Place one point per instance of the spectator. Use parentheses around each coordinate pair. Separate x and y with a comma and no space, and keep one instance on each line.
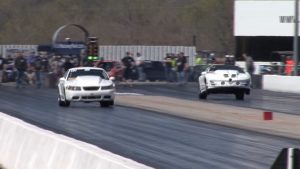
(139,62)
(56,69)
(30,75)
(21,66)
(67,65)
(229,60)
(181,68)
(45,68)
(289,66)
(30,59)
(174,67)
(75,61)
(10,74)
(249,63)
(2,65)
(168,67)
(199,59)
(128,63)
(41,67)
(212,58)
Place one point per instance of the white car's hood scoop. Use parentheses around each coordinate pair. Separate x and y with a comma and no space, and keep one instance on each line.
(87,80)
(227,73)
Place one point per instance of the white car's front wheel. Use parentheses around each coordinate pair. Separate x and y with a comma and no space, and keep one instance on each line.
(202,95)
(107,103)
(63,103)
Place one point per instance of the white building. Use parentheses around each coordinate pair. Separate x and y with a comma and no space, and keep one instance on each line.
(263,26)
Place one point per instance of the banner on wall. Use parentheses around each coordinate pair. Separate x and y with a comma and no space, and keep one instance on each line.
(13,52)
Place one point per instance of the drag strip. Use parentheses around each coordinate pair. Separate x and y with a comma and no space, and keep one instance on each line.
(158,140)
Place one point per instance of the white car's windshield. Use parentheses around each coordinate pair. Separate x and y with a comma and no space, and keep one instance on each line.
(87,72)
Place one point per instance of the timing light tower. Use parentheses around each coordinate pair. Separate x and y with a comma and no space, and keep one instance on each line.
(92,49)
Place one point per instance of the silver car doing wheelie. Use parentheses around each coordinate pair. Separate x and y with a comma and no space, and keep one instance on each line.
(86,84)
(226,79)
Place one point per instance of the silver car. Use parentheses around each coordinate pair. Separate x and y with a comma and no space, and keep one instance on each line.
(226,79)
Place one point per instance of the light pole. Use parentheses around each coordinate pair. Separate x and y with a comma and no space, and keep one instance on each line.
(296,48)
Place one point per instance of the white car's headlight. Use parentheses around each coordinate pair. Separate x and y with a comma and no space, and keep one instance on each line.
(244,82)
(112,86)
(212,82)
(74,88)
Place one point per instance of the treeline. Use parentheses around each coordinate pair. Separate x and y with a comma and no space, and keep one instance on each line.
(121,22)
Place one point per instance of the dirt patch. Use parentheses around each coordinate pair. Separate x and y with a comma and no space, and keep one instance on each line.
(245,118)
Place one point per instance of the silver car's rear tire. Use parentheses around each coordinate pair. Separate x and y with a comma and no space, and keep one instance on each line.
(239,96)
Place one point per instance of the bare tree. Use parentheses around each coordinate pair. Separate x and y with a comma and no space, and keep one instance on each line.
(149,22)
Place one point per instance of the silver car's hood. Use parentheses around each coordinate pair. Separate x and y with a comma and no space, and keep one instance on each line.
(89,81)
(226,74)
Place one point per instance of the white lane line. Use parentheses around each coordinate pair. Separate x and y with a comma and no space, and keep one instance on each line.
(132,94)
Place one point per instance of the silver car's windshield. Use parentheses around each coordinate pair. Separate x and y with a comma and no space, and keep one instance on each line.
(87,72)
(226,67)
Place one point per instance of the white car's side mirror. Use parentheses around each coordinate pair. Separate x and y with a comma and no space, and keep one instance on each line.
(112,78)
(203,73)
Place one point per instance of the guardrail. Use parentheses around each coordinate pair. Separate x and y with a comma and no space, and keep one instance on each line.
(289,158)
(25,146)
(280,83)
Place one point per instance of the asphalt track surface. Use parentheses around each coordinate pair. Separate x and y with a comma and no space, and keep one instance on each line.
(158,140)
(258,99)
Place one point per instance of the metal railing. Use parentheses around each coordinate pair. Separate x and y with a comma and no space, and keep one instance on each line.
(278,70)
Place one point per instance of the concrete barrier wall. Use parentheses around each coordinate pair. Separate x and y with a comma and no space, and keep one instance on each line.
(24,146)
(290,84)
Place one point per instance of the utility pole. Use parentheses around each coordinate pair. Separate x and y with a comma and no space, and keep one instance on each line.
(296,48)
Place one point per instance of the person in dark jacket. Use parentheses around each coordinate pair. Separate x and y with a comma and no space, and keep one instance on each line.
(129,64)
(67,65)
(168,67)
(181,68)
(21,66)
(41,67)
(2,65)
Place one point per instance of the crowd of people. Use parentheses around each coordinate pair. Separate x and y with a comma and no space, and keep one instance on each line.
(175,67)
(34,68)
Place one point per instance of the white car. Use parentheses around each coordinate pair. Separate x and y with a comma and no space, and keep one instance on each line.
(86,84)
(225,79)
